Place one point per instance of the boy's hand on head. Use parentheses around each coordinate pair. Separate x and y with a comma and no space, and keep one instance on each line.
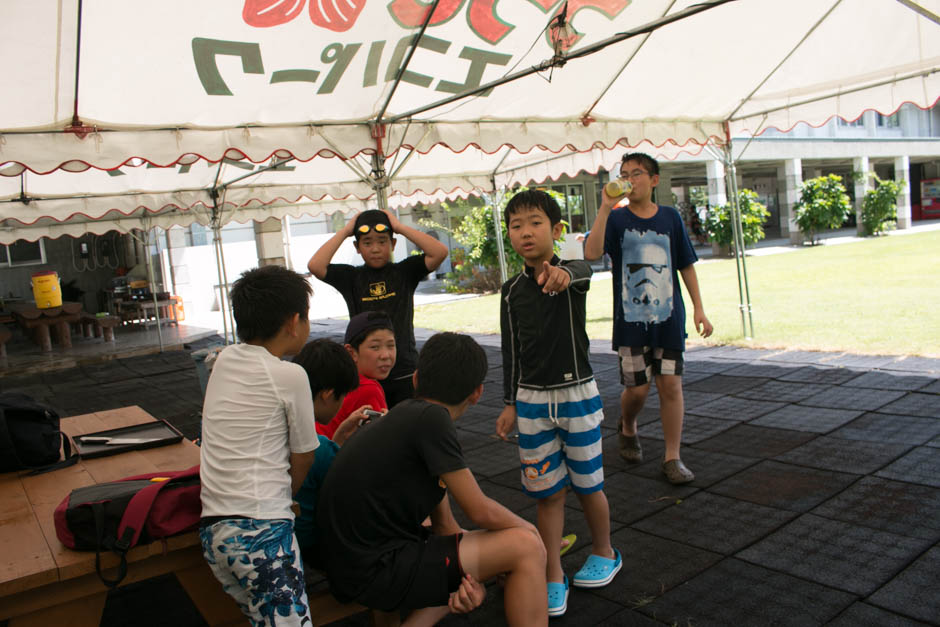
(506,422)
(702,325)
(468,596)
(393,220)
(553,279)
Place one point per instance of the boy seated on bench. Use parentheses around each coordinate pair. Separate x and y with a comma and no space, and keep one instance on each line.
(258,442)
(399,469)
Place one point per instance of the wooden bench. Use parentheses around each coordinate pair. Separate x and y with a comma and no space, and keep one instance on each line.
(37,322)
(325,609)
(94,325)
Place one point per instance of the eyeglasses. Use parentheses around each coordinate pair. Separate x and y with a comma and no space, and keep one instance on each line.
(378,228)
(633,175)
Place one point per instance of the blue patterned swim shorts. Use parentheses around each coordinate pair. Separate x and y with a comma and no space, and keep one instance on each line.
(258,563)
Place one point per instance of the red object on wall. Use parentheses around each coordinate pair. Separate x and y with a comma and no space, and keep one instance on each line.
(930,199)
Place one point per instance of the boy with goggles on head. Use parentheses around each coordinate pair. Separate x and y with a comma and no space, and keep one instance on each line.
(381,284)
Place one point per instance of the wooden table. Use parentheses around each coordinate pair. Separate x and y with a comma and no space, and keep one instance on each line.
(44,583)
(142,311)
(36,322)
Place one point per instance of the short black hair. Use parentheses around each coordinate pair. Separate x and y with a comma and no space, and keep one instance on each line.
(329,367)
(534,199)
(450,367)
(651,165)
(364,324)
(263,299)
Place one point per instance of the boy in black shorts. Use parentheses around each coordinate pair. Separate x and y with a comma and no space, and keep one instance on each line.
(396,472)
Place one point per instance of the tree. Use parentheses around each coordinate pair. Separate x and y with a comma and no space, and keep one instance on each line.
(753,216)
(880,206)
(476,266)
(823,205)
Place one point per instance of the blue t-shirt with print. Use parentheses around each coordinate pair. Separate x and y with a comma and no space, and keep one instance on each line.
(646,255)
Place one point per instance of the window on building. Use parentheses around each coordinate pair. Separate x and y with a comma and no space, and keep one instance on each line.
(572,206)
(888,121)
(198,235)
(856,123)
(338,221)
(23,253)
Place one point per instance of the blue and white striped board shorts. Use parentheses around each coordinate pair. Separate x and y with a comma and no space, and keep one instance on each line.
(560,439)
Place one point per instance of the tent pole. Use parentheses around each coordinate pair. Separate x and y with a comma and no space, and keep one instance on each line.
(225,293)
(744,296)
(153,289)
(498,227)
(379,180)
(285,233)
(216,243)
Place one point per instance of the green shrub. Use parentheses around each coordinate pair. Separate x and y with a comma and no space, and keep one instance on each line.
(880,207)
(753,216)
(823,205)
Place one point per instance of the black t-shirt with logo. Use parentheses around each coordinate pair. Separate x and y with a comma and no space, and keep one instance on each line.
(381,486)
(391,289)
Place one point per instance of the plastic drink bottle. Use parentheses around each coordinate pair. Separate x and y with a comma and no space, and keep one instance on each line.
(618,187)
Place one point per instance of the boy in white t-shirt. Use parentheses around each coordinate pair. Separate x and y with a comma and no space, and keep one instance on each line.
(258,441)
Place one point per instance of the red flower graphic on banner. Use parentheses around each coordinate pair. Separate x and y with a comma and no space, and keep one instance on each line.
(335,15)
(265,13)
(340,15)
(481,14)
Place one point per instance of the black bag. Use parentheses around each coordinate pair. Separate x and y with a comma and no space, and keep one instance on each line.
(30,436)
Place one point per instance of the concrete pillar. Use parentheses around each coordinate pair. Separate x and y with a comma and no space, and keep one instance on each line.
(715,172)
(871,125)
(270,242)
(862,185)
(664,189)
(792,175)
(682,194)
(902,174)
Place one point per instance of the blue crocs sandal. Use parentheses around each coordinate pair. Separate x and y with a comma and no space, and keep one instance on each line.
(557,597)
(598,571)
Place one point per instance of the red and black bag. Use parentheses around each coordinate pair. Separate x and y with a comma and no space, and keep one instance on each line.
(135,510)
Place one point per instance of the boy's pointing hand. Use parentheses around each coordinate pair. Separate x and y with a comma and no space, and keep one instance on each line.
(553,279)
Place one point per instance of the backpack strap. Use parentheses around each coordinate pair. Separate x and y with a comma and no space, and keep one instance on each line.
(138,509)
(70,459)
(98,511)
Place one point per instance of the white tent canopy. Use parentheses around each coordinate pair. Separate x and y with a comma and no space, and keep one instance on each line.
(171,82)
(96,201)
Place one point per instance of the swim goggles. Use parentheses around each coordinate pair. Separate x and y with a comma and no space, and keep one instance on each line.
(378,228)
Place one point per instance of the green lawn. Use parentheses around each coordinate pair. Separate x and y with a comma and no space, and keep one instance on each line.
(880,296)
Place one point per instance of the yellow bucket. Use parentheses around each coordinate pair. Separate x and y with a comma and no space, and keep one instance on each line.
(46,290)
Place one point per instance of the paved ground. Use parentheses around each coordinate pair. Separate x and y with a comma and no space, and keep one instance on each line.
(817,497)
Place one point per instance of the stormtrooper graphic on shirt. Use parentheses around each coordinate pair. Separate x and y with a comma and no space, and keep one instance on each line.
(647,277)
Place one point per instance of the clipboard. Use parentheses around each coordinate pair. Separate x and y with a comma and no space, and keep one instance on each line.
(151,435)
